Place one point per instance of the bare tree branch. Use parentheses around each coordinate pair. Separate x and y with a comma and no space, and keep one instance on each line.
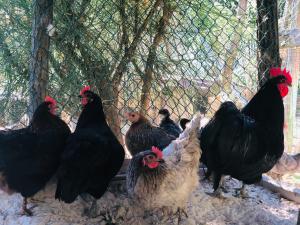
(232,51)
(124,37)
(10,59)
(158,38)
(122,67)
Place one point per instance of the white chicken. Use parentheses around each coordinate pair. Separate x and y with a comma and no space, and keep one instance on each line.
(165,180)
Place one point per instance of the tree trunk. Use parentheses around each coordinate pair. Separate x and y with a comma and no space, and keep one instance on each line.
(38,70)
(233,48)
(158,38)
(268,38)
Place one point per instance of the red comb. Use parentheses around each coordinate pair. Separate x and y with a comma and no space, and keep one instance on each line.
(51,100)
(276,71)
(84,89)
(157,152)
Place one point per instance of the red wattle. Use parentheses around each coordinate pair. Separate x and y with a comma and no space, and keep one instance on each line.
(283,89)
(153,165)
(53,110)
(84,101)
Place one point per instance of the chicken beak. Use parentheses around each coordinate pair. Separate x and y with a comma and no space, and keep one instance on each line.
(161,161)
(126,115)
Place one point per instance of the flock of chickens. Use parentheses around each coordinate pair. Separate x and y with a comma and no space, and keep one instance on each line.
(163,171)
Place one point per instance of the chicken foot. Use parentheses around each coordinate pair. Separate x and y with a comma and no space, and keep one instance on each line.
(34,200)
(241,192)
(169,212)
(92,212)
(180,213)
(219,191)
(89,211)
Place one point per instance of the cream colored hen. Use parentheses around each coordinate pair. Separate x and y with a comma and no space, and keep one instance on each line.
(165,180)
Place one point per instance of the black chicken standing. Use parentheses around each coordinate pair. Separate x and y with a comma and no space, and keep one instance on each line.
(29,157)
(167,124)
(93,155)
(245,144)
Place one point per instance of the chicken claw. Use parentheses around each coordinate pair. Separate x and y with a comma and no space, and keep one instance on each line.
(217,193)
(92,212)
(241,192)
(181,213)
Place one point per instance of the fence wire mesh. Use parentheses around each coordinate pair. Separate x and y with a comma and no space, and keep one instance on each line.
(137,54)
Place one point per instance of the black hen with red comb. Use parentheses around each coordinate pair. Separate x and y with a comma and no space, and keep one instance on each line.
(247,143)
(29,157)
(93,155)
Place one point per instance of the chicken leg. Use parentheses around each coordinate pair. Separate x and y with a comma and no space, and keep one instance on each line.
(25,210)
(219,191)
(92,211)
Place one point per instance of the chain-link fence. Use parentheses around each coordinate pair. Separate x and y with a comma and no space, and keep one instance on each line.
(137,54)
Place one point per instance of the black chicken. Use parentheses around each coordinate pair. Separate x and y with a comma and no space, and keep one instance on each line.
(183,122)
(93,155)
(29,157)
(143,135)
(167,124)
(245,144)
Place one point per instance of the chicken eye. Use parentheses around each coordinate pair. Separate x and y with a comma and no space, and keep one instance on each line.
(151,157)
(133,115)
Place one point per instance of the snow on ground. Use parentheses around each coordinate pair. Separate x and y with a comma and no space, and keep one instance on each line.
(262,208)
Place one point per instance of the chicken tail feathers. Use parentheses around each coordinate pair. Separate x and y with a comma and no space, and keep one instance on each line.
(66,190)
(192,128)
(187,144)
(190,134)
